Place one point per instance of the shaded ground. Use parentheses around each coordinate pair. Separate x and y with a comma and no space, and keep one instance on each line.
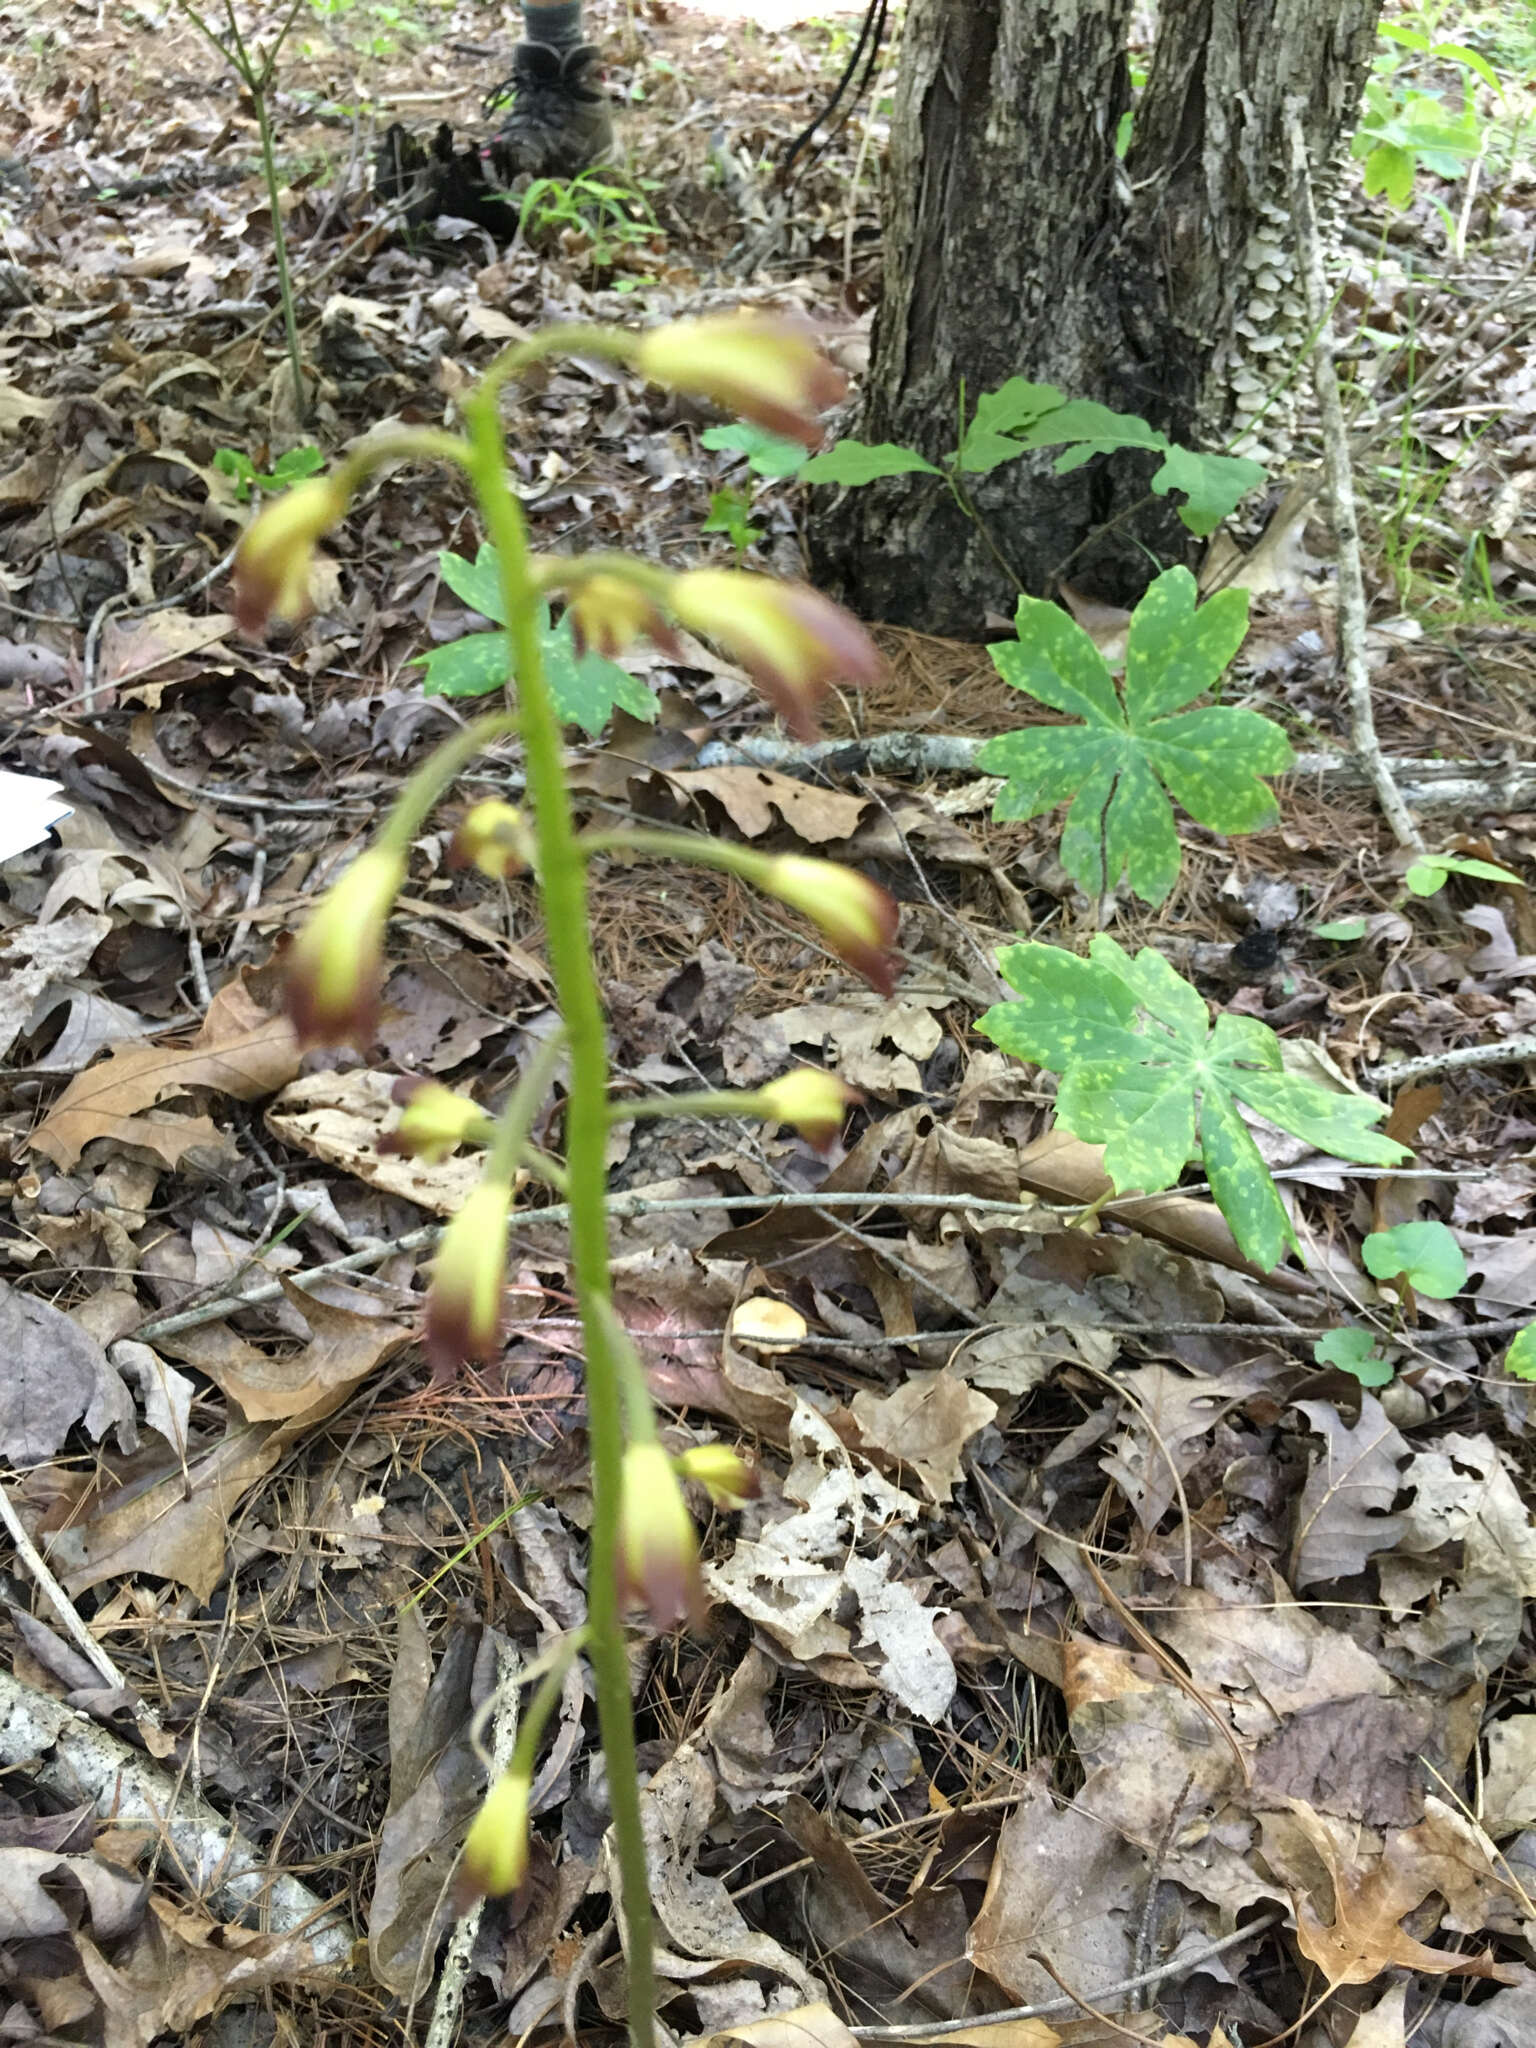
(1067,1640)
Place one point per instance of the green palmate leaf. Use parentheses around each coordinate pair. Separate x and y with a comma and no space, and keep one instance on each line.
(1213,485)
(859,462)
(1520,1358)
(1144,1074)
(767,454)
(476,583)
(1426,1255)
(1121,765)
(471,667)
(1353,1351)
(585,687)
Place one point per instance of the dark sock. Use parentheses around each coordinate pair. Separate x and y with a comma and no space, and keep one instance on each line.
(558,26)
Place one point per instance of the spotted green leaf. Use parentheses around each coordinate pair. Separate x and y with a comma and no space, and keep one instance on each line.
(1146,1075)
(1426,1255)
(1133,750)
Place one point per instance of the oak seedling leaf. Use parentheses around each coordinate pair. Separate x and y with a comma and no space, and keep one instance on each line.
(1426,1255)
(1135,747)
(585,687)
(1144,1074)
(865,462)
(767,454)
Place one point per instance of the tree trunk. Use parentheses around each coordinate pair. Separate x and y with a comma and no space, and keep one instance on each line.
(1018,244)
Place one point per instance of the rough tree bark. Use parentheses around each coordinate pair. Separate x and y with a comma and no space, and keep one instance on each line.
(1017,243)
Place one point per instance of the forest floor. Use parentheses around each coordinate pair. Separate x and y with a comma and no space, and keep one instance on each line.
(1087,1626)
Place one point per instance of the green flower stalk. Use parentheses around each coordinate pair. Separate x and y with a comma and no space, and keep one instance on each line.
(643,1545)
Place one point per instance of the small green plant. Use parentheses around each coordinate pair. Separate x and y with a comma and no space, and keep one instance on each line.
(730,513)
(1354,1351)
(609,217)
(256,69)
(1520,1358)
(1423,1256)
(769,455)
(1019,416)
(1145,1075)
(290,468)
(1131,748)
(1429,873)
(585,685)
(1403,131)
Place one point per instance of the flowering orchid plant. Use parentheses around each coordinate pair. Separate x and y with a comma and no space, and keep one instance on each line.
(796,643)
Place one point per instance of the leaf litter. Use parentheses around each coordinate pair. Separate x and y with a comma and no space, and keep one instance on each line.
(1085,1622)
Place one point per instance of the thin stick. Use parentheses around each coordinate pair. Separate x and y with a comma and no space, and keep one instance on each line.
(93,1652)
(1176,1966)
(1507,1052)
(1341,490)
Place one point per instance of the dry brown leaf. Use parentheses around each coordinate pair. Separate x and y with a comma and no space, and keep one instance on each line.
(56,1373)
(1066,1169)
(751,796)
(302,1388)
(1365,1936)
(1345,1516)
(926,1423)
(808,2026)
(241,1050)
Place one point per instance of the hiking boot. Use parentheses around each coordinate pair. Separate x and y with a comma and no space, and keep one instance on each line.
(558,122)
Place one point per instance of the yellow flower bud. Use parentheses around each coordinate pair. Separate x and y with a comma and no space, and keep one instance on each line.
(857,918)
(723,1473)
(434,1121)
(608,611)
(768,368)
(814,1102)
(794,641)
(493,837)
(464,1300)
(658,1548)
(495,1859)
(335,967)
(272,568)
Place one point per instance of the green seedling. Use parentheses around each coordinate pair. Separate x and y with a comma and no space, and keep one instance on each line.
(1429,873)
(289,469)
(1353,1351)
(730,513)
(1425,1255)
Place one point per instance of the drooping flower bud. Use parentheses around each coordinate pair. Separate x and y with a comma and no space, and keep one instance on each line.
(273,565)
(465,1298)
(794,641)
(814,1102)
(607,612)
(768,368)
(658,1547)
(494,837)
(723,1473)
(434,1121)
(857,918)
(335,967)
(495,1859)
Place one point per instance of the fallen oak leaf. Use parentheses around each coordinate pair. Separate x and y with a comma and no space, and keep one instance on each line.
(240,1050)
(1365,1936)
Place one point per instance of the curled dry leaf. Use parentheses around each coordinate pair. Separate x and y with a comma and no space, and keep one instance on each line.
(340,1118)
(56,1375)
(241,1051)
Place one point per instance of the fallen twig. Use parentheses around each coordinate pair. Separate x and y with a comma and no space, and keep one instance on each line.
(1506,1052)
(1176,1966)
(64,1608)
(1464,787)
(72,1755)
(1341,491)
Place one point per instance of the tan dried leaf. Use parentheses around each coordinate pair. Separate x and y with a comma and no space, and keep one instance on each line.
(926,1423)
(240,1050)
(767,1325)
(750,798)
